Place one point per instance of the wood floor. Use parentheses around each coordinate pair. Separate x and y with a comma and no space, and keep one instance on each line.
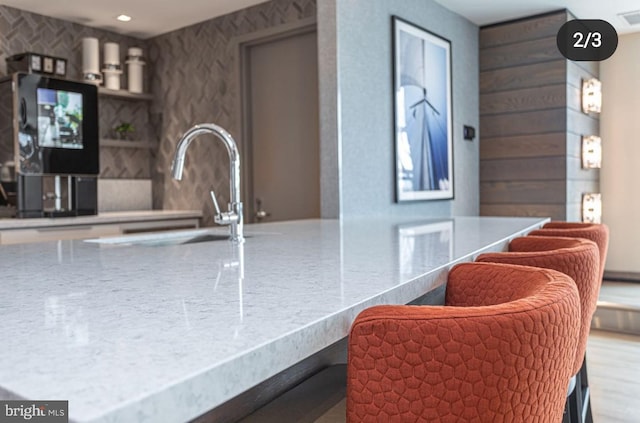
(613,363)
(613,360)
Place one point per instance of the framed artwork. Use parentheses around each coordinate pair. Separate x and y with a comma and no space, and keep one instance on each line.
(61,67)
(36,63)
(423,114)
(47,64)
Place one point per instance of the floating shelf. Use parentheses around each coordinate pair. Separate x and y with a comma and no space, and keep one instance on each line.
(106,142)
(123,94)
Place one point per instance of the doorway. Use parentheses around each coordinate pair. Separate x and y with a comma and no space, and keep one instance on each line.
(280,126)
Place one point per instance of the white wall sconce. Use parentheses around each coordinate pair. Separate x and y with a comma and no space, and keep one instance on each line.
(591,152)
(591,95)
(591,208)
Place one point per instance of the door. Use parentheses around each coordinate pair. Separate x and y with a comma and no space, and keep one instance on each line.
(281,128)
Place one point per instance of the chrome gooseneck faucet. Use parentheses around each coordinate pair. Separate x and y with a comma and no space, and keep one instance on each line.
(233,217)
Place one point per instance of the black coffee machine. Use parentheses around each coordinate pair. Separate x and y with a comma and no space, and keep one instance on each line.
(49,148)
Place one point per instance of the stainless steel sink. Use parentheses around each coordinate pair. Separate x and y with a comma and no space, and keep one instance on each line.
(158,239)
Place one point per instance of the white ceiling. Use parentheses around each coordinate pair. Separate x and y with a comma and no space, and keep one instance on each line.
(483,12)
(150,17)
(154,17)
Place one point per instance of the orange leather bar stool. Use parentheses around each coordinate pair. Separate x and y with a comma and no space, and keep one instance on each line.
(501,349)
(596,232)
(579,259)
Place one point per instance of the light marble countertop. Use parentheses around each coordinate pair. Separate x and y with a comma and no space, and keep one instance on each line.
(100,218)
(166,333)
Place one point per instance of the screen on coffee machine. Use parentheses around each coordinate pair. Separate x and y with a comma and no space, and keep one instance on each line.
(57,126)
(59,118)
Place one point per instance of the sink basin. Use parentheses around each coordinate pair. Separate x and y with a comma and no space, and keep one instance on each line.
(158,239)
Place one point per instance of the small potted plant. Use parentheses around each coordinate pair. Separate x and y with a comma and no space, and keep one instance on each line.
(124,130)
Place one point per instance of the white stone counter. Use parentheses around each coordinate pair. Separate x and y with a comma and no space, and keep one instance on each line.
(166,333)
(99,219)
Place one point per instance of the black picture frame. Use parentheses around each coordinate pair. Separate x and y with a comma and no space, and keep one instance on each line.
(423,113)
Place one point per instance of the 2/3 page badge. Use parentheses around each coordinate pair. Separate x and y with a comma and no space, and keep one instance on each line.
(587,40)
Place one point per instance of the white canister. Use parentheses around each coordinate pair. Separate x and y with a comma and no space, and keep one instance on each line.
(112,69)
(135,63)
(91,60)
(111,54)
(112,79)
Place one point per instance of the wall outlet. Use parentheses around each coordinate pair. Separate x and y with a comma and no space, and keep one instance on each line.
(469,132)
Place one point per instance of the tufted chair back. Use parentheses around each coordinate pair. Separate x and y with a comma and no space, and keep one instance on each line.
(501,349)
(596,232)
(575,257)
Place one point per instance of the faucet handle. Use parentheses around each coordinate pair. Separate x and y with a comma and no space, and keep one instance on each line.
(215,203)
(226,218)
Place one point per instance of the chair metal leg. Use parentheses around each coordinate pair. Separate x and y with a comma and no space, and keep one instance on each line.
(569,405)
(588,418)
(566,416)
(574,401)
(579,401)
(586,393)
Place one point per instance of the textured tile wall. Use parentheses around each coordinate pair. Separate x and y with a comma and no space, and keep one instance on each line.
(124,194)
(194,81)
(22,31)
(192,74)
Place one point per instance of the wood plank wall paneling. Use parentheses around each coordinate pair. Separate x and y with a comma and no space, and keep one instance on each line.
(585,69)
(574,212)
(524,169)
(574,145)
(575,170)
(518,54)
(582,124)
(523,100)
(538,145)
(574,98)
(555,211)
(524,123)
(579,181)
(514,32)
(531,122)
(576,73)
(576,188)
(524,192)
(527,76)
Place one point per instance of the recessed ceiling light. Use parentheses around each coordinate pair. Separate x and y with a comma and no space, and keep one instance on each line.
(124,18)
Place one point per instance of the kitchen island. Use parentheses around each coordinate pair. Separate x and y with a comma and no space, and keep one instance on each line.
(164,333)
